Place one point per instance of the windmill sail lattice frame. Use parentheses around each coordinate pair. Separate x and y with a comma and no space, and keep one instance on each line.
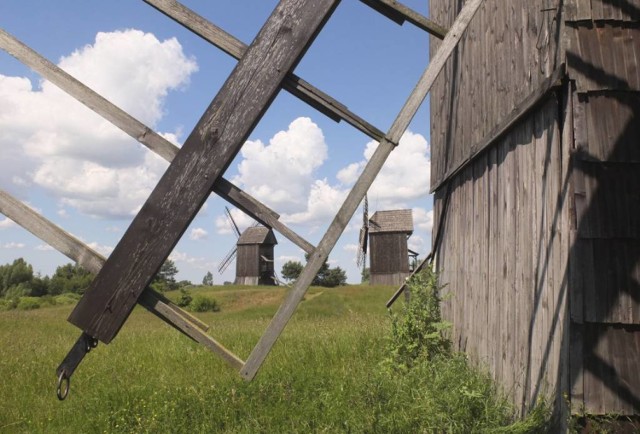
(205,155)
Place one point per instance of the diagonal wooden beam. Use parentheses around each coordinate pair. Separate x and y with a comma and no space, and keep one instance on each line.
(142,133)
(357,193)
(92,261)
(205,155)
(236,48)
(400,13)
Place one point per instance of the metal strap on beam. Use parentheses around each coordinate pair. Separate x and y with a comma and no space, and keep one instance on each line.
(357,193)
(142,133)
(236,48)
(92,261)
(399,13)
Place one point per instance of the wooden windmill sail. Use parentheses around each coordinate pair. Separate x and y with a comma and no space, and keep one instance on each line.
(361,259)
(266,66)
(229,257)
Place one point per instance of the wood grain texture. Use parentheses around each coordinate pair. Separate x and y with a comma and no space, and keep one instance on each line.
(509,50)
(142,133)
(498,257)
(604,57)
(357,193)
(236,48)
(206,154)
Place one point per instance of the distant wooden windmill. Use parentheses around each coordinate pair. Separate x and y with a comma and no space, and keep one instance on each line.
(388,232)
(253,253)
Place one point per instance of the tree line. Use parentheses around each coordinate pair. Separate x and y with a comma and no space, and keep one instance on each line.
(18,280)
(327,276)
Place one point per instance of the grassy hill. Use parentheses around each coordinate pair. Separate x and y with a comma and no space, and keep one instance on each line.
(325,374)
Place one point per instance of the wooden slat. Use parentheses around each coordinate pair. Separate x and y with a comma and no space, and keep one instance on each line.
(357,193)
(236,48)
(206,154)
(399,12)
(142,133)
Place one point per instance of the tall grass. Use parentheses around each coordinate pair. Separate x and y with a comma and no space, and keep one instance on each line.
(325,374)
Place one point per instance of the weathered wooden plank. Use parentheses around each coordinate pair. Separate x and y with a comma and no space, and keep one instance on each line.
(596,62)
(357,193)
(205,155)
(611,129)
(517,113)
(399,12)
(236,48)
(82,254)
(607,204)
(142,133)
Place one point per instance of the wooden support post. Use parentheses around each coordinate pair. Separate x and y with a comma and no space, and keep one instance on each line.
(143,134)
(92,261)
(400,13)
(236,48)
(206,154)
(357,193)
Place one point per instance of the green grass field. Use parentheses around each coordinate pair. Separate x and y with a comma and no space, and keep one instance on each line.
(325,374)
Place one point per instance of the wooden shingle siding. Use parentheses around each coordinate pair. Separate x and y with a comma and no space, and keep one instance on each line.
(587,10)
(608,272)
(604,56)
(608,126)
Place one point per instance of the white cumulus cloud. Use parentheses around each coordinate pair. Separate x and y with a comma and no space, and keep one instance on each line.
(198,234)
(281,172)
(13,245)
(404,177)
(6,223)
(50,140)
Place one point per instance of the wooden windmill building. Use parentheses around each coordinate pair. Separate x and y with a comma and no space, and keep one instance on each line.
(536,174)
(389,254)
(254,261)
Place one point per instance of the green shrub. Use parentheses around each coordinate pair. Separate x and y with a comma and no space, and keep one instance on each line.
(204,304)
(185,298)
(419,331)
(66,298)
(8,303)
(28,303)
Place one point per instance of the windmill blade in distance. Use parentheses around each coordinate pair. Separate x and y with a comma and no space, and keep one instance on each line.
(228,259)
(364,235)
(232,222)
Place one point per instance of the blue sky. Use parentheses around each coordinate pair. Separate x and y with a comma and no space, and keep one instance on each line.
(90,178)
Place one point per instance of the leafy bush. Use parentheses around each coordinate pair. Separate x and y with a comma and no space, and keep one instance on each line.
(185,298)
(8,304)
(28,303)
(66,298)
(204,304)
(419,331)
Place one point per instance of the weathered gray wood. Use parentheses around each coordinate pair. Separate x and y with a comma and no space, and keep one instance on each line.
(142,133)
(206,154)
(75,249)
(516,114)
(357,193)
(409,15)
(236,48)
